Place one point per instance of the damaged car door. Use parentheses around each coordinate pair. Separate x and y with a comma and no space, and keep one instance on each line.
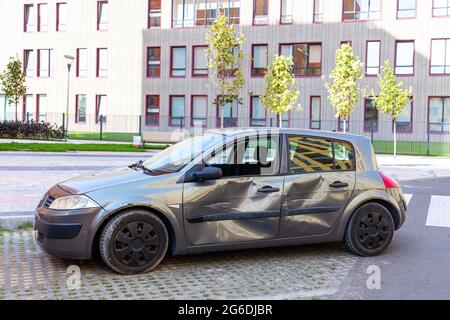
(244,203)
(320,181)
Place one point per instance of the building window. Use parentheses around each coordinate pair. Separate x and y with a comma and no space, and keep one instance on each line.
(28,62)
(341,124)
(307,58)
(318,11)
(406,9)
(257,113)
(45,60)
(42,17)
(370,116)
(315,119)
(404,57)
(152,110)
(176,111)
(102,63)
(199,111)
(29,108)
(360,10)
(80,108)
(178,62)
(373,58)
(153,62)
(82,63)
(230,114)
(440,56)
(199,65)
(439,114)
(102,15)
(41,107)
(101,102)
(260,12)
(200,13)
(154,13)
(61,16)
(286,11)
(403,122)
(28,18)
(441,8)
(259,60)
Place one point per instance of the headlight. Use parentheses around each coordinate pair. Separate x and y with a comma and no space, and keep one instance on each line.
(72,203)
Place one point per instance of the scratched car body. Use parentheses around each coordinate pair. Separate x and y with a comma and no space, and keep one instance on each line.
(239,189)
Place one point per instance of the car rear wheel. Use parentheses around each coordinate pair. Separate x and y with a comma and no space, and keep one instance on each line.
(133,242)
(370,230)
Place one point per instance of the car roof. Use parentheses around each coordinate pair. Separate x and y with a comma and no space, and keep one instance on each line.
(229,132)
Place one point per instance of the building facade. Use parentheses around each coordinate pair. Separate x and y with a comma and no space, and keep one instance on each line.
(145,60)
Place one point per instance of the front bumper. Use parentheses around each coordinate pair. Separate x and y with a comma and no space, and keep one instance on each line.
(66,234)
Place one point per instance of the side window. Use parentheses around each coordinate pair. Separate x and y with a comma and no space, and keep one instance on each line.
(248,157)
(344,156)
(311,154)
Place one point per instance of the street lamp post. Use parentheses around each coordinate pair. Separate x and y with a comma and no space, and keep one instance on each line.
(69,60)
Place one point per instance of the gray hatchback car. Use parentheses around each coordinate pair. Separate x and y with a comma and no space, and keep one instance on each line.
(245,188)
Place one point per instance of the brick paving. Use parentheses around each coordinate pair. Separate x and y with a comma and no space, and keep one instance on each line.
(308,272)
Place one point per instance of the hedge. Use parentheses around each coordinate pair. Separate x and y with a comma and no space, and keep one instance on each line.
(30,130)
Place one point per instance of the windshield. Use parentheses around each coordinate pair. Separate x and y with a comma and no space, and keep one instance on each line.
(176,157)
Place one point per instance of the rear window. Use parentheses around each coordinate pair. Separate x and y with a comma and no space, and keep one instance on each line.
(313,154)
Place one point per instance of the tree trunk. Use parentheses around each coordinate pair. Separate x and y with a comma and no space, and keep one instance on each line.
(222,112)
(17,116)
(345,126)
(395,139)
(280,120)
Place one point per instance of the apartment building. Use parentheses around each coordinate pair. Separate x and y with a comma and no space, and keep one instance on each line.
(145,59)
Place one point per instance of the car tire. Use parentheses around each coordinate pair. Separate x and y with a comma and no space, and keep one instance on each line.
(133,242)
(370,230)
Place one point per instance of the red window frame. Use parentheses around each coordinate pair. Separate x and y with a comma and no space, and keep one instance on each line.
(150,9)
(311,112)
(414,59)
(97,71)
(57,16)
(39,6)
(76,108)
(254,13)
(147,114)
(99,4)
(171,62)
(183,118)
(25,11)
(260,72)
(193,63)
(97,107)
(192,109)
(251,113)
(149,66)
(367,55)
(309,44)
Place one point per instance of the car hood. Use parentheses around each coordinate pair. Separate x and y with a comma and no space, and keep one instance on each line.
(102,179)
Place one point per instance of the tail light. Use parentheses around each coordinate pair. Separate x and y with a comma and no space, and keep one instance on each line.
(389,183)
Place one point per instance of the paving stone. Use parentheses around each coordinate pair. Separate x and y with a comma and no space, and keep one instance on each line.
(27,272)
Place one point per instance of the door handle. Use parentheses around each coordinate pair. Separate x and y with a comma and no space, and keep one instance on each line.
(339,184)
(268,189)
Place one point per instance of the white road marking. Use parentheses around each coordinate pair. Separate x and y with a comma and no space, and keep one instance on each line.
(438,212)
(408,198)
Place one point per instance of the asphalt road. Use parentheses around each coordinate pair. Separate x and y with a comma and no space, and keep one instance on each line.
(416,265)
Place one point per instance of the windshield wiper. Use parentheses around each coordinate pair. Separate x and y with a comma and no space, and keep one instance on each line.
(140,166)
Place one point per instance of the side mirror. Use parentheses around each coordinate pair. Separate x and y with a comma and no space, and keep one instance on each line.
(207,173)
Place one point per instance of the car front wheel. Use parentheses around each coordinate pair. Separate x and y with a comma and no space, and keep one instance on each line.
(134,241)
(370,230)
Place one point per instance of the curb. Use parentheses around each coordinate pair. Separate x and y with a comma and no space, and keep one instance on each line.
(14,220)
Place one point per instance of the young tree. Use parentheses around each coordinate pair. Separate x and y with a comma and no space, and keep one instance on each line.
(344,91)
(280,88)
(224,55)
(392,98)
(13,82)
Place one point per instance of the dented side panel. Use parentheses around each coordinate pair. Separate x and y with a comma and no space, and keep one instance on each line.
(311,206)
(231,210)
